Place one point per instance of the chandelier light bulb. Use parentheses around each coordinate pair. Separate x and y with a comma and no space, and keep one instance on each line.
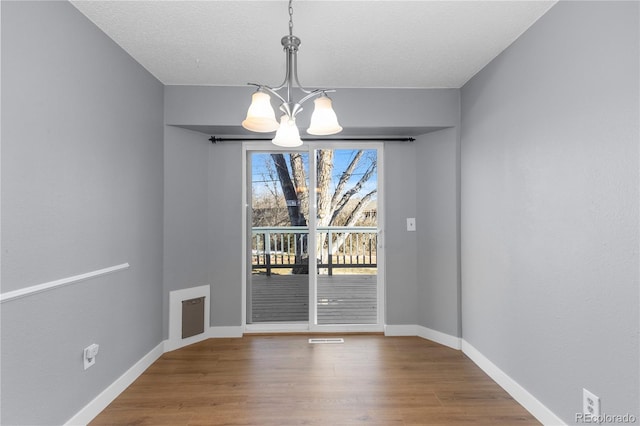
(287,134)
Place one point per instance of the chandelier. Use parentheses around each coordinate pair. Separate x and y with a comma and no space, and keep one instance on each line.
(261,116)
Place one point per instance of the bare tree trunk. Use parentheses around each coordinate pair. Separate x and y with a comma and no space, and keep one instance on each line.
(295,215)
(291,197)
(300,182)
(323,178)
(325,170)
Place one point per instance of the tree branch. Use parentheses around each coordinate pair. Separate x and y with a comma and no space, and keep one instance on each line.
(344,178)
(347,195)
(355,213)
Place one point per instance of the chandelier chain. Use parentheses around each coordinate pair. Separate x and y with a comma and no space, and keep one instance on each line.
(290,18)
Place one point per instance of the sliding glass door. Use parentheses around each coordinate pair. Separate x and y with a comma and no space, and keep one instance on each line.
(314,256)
(279,279)
(347,236)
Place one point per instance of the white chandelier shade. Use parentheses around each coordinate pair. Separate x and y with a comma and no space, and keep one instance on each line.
(323,120)
(287,134)
(261,116)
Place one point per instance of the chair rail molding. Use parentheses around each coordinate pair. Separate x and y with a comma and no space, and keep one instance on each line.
(30,291)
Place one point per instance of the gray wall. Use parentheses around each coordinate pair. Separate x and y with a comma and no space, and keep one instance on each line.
(81,190)
(203,227)
(550,208)
(186,188)
(357,108)
(225,233)
(437,231)
(222,108)
(400,245)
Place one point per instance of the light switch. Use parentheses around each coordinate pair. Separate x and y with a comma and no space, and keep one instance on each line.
(411,224)
(90,353)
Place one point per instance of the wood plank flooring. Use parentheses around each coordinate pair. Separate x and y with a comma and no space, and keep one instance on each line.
(342,299)
(284,380)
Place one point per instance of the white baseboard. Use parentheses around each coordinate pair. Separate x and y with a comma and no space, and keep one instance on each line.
(401,330)
(439,337)
(424,332)
(520,394)
(173,344)
(100,402)
(210,333)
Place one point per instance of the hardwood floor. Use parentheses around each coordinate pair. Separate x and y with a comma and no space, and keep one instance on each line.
(284,380)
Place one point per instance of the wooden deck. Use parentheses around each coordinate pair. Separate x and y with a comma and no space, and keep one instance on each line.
(342,299)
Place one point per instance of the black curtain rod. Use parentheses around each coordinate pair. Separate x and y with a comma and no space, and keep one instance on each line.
(214,139)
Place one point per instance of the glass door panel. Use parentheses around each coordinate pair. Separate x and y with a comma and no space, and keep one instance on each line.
(278,286)
(346,236)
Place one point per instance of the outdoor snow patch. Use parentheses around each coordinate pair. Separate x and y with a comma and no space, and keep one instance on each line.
(327,340)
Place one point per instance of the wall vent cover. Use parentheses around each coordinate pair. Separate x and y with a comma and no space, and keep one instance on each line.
(327,340)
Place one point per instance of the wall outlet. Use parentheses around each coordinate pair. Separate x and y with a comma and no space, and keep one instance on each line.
(590,403)
(411,224)
(89,355)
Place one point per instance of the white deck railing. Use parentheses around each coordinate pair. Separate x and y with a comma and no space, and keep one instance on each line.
(338,247)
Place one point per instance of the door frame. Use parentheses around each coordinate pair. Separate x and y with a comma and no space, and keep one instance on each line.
(311,326)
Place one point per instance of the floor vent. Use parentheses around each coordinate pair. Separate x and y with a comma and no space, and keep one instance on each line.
(328,340)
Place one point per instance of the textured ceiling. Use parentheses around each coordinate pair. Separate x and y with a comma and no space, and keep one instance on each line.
(417,44)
